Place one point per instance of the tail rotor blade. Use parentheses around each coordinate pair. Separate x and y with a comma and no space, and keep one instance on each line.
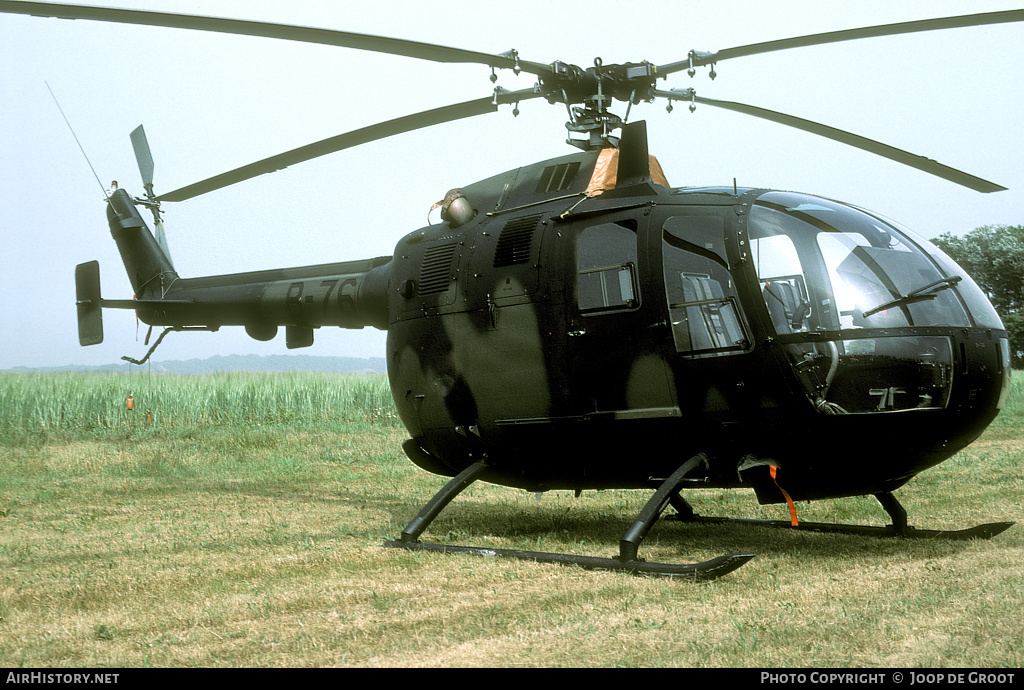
(143,156)
(161,240)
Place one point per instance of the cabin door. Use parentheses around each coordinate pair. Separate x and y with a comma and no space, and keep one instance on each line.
(617,351)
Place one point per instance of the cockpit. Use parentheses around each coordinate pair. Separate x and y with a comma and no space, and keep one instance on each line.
(862,307)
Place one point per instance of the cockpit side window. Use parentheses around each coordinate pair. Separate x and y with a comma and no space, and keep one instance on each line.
(783,285)
(699,287)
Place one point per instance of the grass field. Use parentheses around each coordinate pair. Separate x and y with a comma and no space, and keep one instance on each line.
(244,528)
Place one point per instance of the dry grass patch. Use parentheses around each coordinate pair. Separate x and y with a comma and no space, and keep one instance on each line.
(260,545)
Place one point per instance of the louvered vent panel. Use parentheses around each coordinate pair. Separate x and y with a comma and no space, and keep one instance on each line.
(514,241)
(436,271)
(556,178)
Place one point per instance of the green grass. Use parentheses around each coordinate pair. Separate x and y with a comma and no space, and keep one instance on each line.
(244,528)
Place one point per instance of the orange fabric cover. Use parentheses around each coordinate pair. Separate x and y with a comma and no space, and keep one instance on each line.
(607,168)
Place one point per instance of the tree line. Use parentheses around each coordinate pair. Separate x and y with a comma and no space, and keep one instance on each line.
(993,255)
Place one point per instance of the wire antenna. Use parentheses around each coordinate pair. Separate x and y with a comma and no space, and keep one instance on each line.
(80,148)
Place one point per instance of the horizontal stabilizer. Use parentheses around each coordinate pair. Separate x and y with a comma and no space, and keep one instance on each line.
(135,303)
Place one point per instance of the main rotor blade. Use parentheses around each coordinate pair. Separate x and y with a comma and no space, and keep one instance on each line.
(379,44)
(920,162)
(356,137)
(961,21)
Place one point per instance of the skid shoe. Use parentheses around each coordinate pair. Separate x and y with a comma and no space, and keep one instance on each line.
(896,511)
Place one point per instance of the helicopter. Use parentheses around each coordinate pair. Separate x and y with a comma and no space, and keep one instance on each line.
(567,313)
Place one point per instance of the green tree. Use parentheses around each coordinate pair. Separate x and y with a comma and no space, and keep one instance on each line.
(994,256)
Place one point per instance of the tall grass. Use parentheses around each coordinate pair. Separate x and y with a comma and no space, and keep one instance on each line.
(73,403)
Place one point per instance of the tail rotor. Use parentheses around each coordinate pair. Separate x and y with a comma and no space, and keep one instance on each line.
(144,158)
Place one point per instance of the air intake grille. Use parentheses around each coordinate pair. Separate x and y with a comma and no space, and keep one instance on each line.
(514,241)
(436,271)
(556,178)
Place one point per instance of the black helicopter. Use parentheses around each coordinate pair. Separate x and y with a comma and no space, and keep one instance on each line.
(570,312)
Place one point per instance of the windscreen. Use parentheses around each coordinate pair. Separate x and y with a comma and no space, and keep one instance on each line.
(826,266)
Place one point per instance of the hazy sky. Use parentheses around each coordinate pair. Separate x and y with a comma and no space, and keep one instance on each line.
(212,102)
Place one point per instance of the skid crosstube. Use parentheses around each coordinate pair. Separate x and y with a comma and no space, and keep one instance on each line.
(627,560)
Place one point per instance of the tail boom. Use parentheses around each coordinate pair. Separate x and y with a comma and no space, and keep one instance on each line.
(352,294)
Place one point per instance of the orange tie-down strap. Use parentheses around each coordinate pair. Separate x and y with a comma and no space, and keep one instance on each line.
(789,501)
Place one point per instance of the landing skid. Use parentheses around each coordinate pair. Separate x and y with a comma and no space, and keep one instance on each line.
(627,561)
(898,528)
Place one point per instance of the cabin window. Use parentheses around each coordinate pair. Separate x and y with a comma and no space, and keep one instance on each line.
(606,268)
(700,291)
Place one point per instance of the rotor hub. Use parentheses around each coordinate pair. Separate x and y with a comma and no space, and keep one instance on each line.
(594,89)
